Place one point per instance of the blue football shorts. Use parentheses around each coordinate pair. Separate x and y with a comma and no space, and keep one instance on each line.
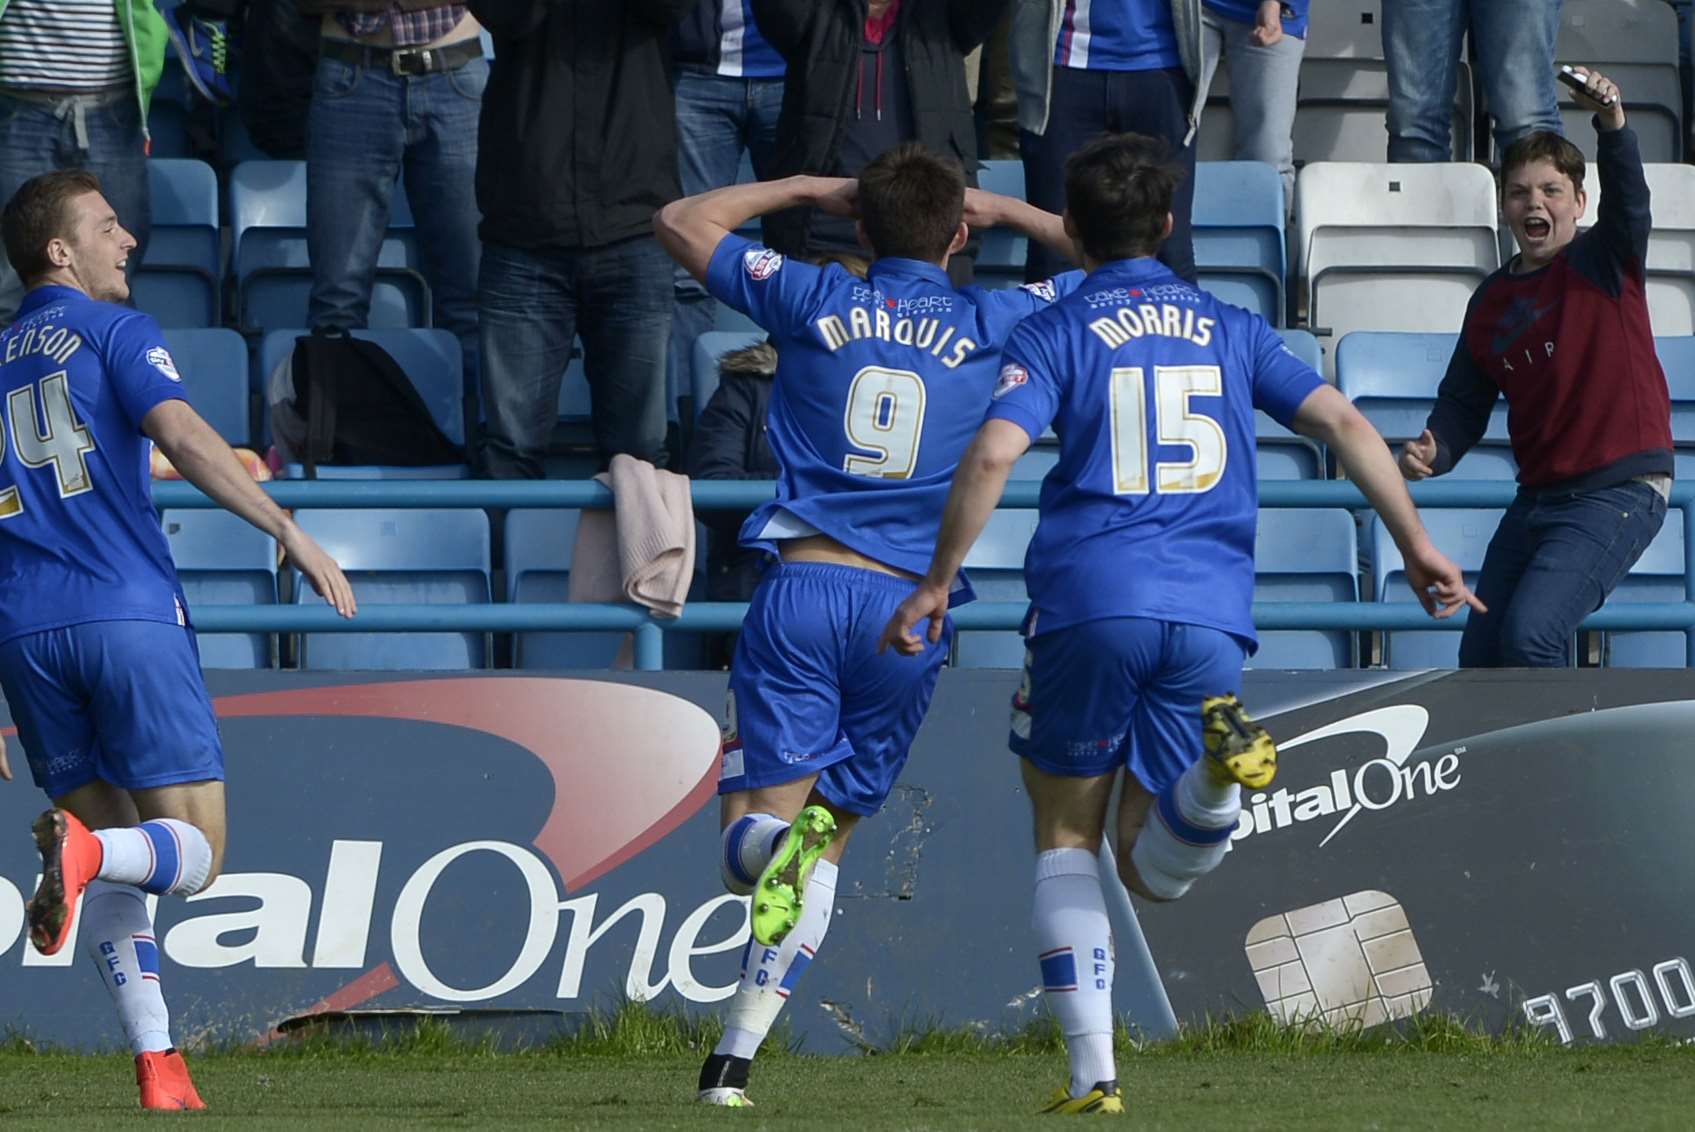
(118,701)
(809,694)
(1123,691)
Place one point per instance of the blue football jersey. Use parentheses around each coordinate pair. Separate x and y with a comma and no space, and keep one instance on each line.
(1151,386)
(79,539)
(881,384)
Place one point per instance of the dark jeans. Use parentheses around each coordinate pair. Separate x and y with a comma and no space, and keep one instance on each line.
(36,138)
(1553,561)
(367,126)
(532,304)
(1086,104)
(717,118)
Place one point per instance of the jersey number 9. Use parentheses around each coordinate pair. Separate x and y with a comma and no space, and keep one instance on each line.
(884,415)
(1176,425)
(65,444)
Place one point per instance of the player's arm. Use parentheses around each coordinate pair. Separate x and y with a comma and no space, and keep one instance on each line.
(977,487)
(984,209)
(196,450)
(1330,418)
(691,229)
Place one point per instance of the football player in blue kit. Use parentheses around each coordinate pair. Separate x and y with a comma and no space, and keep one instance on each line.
(880,386)
(1140,572)
(97,653)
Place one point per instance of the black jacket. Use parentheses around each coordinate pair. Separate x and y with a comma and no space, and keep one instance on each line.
(730,444)
(821,39)
(577,144)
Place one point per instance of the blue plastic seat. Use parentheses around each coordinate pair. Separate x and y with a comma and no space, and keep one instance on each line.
(423,557)
(213,365)
(181,271)
(995,565)
(273,274)
(430,358)
(1657,576)
(1305,554)
(1677,359)
(1392,379)
(1462,534)
(538,569)
(1238,224)
(223,560)
(1000,260)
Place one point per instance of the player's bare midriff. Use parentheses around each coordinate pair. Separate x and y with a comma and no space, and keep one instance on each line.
(823,548)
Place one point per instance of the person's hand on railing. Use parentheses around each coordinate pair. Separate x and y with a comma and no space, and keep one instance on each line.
(1437,582)
(1417,456)
(926,601)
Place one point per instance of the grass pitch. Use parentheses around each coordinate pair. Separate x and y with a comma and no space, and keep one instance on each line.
(633,1071)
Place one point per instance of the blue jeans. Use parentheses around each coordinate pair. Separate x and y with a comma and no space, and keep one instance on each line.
(365,127)
(37,137)
(1553,561)
(1514,44)
(717,118)
(1086,104)
(532,303)
(1263,82)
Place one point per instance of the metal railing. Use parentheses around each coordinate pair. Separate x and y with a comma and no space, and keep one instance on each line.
(726,495)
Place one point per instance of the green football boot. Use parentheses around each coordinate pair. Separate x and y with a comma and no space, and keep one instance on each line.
(777,896)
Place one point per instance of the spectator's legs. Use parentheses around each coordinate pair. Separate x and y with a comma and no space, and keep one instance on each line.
(526,320)
(34,139)
(441,174)
(759,128)
(355,135)
(1510,551)
(1421,45)
(1077,112)
(1514,42)
(1263,81)
(1156,103)
(624,318)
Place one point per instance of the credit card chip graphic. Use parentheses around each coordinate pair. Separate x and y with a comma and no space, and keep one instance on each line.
(1347,962)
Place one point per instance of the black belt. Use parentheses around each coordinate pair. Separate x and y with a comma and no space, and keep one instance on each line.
(404,60)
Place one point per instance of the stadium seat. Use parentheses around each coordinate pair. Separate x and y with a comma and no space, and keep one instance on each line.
(423,557)
(1659,575)
(167,116)
(1392,379)
(181,271)
(1677,359)
(1305,554)
(213,365)
(1634,43)
(1670,282)
(1462,534)
(703,369)
(995,565)
(430,358)
(1239,235)
(1000,261)
(538,569)
(1394,247)
(223,560)
(273,274)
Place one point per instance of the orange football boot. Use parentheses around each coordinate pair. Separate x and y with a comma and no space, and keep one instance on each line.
(70,858)
(165,1083)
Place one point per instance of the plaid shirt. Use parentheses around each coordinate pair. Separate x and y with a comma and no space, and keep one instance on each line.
(408,29)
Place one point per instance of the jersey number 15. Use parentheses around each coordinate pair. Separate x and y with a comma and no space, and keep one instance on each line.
(1174,423)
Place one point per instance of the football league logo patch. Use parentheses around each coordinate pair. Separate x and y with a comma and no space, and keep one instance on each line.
(160,359)
(1012,376)
(761,263)
(1043,290)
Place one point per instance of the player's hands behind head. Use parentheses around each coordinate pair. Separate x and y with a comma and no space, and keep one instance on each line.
(924,602)
(838,196)
(1418,456)
(319,569)
(1438,583)
(982,209)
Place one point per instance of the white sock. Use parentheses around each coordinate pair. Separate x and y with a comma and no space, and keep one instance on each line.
(117,933)
(159,856)
(770,973)
(746,847)
(1187,832)
(1074,946)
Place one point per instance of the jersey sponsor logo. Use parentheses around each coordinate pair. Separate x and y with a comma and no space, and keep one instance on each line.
(908,306)
(761,263)
(1043,290)
(1119,296)
(160,359)
(1012,376)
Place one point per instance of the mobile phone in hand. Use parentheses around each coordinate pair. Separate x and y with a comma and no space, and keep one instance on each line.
(1579,82)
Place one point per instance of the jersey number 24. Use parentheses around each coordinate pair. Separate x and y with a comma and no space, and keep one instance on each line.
(65,445)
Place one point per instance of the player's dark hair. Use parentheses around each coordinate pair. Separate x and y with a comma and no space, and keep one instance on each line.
(39,212)
(910,201)
(1118,190)
(1544,145)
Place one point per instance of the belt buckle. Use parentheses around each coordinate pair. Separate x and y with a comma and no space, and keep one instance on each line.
(397,62)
